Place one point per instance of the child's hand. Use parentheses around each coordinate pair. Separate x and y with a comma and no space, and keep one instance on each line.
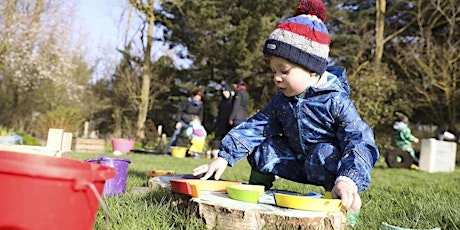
(348,194)
(218,166)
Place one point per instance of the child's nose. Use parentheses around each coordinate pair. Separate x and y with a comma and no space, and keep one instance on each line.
(277,77)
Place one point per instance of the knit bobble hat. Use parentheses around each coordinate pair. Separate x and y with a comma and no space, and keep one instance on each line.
(225,86)
(302,39)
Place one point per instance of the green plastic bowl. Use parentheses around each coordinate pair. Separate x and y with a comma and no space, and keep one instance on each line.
(245,192)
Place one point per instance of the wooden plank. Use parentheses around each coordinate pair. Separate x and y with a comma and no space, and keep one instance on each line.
(89,145)
(218,211)
(154,172)
(58,145)
(54,141)
(66,142)
(29,149)
(91,141)
(89,148)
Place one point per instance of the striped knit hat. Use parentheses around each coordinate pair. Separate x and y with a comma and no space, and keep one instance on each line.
(302,39)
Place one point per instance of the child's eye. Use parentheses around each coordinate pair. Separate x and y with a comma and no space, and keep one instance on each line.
(285,71)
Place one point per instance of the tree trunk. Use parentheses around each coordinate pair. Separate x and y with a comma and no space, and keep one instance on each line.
(144,97)
(380,8)
(218,211)
(117,117)
(11,10)
(35,25)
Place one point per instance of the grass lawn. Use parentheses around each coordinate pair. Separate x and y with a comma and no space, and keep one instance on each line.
(402,197)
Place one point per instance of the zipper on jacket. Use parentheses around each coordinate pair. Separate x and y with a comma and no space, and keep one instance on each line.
(299,123)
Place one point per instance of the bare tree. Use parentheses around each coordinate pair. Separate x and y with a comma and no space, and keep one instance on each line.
(429,59)
(143,98)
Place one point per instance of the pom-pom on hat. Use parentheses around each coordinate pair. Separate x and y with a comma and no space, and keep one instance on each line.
(312,7)
(302,39)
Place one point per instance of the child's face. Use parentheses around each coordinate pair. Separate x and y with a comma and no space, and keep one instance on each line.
(291,78)
(197,98)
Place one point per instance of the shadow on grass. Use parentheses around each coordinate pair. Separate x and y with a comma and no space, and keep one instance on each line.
(137,176)
(177,208)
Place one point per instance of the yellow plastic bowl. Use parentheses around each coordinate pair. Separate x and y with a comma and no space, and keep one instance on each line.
(245,192)
(307,203)
(179,152)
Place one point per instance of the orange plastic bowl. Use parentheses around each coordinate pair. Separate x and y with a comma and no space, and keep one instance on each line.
(193,187)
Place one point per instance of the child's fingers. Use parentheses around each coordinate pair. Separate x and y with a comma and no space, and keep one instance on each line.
(219,172)
(350,201)
(208,174)
(346,200)
(356,204)
(200,169)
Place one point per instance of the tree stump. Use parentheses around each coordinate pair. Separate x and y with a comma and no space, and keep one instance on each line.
(218,211)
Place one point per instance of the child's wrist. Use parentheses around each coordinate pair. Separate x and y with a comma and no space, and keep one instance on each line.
(348,181)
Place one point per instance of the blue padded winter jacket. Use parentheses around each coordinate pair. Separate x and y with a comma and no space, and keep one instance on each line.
(312,138)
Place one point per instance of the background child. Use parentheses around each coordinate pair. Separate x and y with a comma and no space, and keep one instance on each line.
(310,132)
(402,135)
(197,136)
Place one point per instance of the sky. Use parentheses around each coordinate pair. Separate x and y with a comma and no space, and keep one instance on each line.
(99,21)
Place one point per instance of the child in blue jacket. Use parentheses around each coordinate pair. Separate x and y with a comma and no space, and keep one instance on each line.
(310,132)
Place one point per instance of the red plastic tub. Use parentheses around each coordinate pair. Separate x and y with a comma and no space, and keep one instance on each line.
(42,192)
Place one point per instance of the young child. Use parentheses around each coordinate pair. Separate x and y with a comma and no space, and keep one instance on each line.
(402,135)
(310,132)
(197,135)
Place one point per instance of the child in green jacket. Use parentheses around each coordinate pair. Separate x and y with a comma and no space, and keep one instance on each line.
(402,135)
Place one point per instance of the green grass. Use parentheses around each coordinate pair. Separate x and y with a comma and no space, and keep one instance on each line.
(402,197)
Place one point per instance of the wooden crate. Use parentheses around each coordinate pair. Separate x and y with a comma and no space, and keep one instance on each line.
(89,145)
(58,145)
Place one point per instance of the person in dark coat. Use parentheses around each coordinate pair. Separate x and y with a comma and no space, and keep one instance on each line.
(240,104)
(224,109)
(187,108)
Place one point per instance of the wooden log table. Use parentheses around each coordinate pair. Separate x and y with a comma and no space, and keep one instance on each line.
(218,211)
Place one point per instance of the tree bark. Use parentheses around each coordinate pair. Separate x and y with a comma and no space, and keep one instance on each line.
(145,89)
(380,8)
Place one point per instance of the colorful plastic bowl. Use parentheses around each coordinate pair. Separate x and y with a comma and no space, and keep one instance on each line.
(245,192)
(193,187)
(307,203)
(179,152)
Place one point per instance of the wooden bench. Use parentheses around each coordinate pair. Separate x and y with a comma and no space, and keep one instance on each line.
(58,144)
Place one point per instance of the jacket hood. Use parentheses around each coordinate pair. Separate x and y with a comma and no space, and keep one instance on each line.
(399,125)
(333,80)
(195,123)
